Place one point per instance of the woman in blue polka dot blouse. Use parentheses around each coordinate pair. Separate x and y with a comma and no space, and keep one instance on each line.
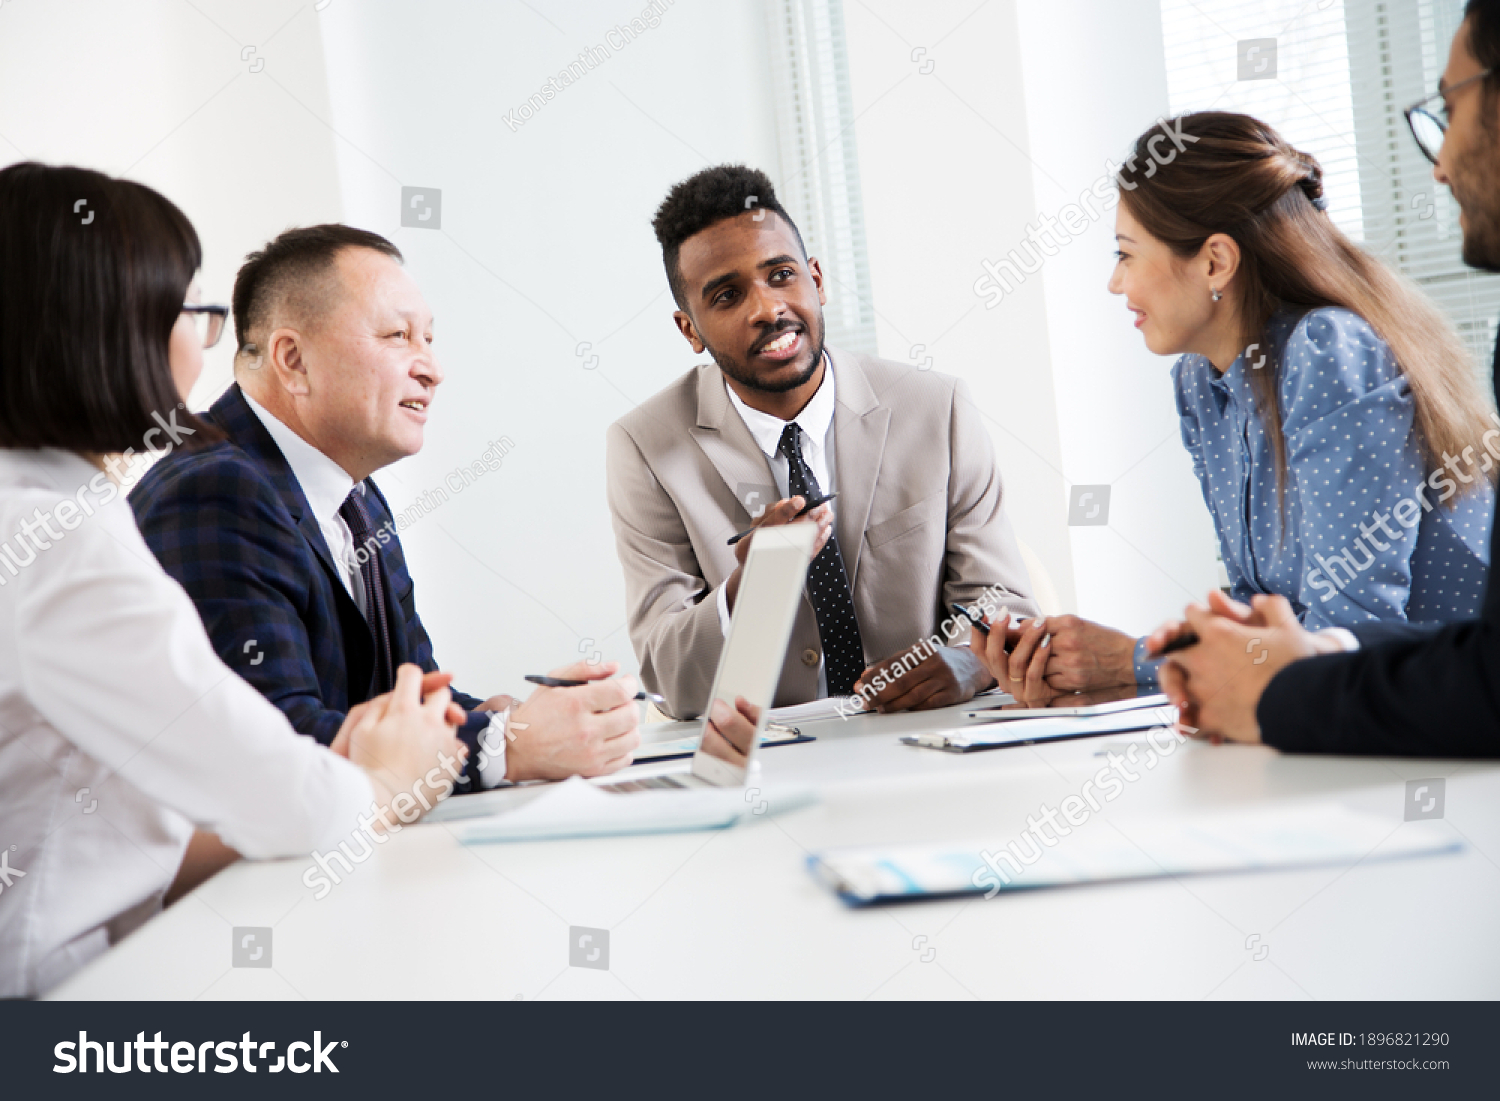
(1342,443)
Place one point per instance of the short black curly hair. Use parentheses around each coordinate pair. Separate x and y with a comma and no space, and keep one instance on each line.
(705,199)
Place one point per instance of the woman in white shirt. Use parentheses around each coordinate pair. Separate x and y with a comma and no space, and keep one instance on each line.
(120,728)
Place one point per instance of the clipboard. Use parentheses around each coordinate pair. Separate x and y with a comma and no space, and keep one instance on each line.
(1016,732)
(1011,713)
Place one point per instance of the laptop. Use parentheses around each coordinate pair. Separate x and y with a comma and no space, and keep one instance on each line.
(749,666)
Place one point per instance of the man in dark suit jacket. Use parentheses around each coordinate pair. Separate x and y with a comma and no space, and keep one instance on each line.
(1392,688)
(290,551)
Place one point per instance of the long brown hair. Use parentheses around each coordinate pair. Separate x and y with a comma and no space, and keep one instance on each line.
(1240,178)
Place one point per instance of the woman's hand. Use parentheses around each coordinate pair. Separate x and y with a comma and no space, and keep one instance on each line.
(431,682)
(401,738)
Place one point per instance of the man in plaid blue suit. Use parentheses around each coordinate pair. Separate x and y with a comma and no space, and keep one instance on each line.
(290,551)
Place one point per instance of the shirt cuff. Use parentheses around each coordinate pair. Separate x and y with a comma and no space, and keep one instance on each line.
(1342,635)
(723,605)
(1145,668)
(492,742)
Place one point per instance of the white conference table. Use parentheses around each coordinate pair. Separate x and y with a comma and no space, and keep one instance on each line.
(735,914)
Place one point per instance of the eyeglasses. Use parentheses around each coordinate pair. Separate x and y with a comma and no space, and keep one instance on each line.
(209,321)
(1428,118)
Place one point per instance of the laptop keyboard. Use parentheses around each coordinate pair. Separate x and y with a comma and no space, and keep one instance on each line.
(646,784)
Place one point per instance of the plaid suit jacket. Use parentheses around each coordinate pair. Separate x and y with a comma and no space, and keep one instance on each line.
(229,522)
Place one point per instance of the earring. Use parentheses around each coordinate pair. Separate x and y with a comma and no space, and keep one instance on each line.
(1214,294)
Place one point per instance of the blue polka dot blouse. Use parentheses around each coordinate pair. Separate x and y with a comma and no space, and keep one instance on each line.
(1373,530)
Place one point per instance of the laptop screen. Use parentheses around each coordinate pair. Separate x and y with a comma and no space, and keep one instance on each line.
(759,629)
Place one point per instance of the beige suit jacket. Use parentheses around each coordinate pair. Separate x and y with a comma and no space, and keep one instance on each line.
(919,519)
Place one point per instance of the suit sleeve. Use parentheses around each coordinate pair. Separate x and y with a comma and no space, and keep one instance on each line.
(1420,692)
(673,612)
(981,551)
(1373,634)
(223,536)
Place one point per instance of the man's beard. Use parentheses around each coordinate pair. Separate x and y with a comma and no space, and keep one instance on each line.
(741,374)
(1482,217)
(1481,239)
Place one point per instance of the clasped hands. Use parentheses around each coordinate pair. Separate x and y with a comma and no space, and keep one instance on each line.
(1215,683)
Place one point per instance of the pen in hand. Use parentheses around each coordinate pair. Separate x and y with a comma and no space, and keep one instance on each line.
(814,503)
(978,624)
(1180,642)
(559,682)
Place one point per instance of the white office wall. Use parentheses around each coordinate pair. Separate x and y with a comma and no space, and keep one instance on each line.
(545,259)
(1095,79)
(946,177)
(545,245)
(157,90)
(972,122)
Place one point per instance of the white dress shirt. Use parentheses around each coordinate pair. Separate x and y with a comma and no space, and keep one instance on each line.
(326,485)
(1343,636)
(120,729)
(816,422)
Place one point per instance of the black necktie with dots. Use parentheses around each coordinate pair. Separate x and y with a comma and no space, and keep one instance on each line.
(827,583)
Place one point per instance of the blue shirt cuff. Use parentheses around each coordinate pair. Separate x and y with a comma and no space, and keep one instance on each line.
(1145,668)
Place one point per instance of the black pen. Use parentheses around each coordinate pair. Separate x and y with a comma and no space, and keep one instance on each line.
(814,503)
(559,682)
(979,624)
(1181,642)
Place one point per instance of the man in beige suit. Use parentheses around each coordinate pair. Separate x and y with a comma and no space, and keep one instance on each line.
(778,420)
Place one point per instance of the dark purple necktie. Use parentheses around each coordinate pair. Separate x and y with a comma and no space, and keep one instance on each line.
(354,514)
(827,583)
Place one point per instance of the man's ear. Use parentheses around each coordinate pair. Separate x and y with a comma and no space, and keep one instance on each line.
(688,330)
(817,278)
(283,357)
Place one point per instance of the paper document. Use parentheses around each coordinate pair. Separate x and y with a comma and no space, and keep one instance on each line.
(774,734)
(995,735)
(1260,839)
(577,808)
(846,707)
(832,707)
